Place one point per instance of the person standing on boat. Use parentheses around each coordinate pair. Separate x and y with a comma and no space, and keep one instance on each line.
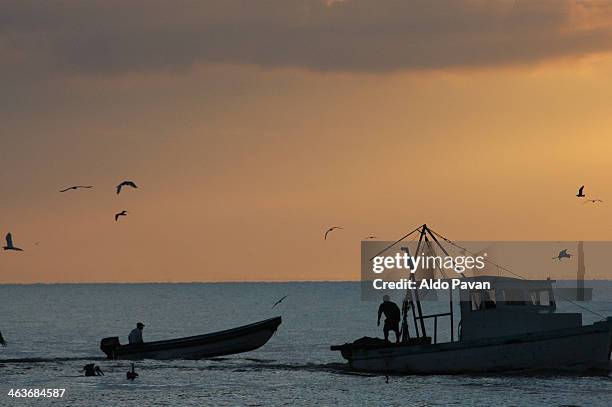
(392,318)
(136,334)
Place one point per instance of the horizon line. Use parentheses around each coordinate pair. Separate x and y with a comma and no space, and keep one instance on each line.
(217,282)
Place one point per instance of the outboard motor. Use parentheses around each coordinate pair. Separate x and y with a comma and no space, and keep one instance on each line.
(108,346)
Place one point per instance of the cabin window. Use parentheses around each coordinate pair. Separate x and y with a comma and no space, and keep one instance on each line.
(484,299)
(488,299)
(544,298)
(476,300)
(514,297)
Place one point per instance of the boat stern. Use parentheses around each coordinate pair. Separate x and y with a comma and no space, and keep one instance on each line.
(109,345)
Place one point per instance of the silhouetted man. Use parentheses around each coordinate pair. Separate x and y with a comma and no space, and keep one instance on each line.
(392,318)
(136,334)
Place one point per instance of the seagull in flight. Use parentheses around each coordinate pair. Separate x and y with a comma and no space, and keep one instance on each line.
(122,213)
(76,187)
(580,193)
(126,184)
(329,230)
(563,254)
(371,237)
(593,201)
(9,243)
(279,301)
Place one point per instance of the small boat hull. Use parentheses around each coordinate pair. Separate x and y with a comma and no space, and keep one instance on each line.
(581,349)
(242,339)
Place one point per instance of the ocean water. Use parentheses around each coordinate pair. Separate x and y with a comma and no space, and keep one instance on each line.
(53,330)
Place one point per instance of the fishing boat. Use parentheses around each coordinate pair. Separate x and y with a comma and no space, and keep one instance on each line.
(511,326)
(237,340)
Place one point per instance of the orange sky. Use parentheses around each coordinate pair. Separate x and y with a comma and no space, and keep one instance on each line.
(242,164)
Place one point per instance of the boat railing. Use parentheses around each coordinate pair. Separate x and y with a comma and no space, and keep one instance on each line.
(435,317)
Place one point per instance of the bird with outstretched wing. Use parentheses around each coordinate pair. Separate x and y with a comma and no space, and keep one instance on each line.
(330,229)
(9,243)
(279,301)
(126,184)
(76,187)
(122,213)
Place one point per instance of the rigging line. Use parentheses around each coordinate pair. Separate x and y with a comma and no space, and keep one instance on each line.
(394,243)
(519,276)
(430,246)
(468,251)
(433,236)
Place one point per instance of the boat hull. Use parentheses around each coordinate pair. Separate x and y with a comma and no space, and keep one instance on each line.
(582,349)
(231,341)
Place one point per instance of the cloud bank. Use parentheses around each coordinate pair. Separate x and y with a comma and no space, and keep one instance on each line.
(110,37)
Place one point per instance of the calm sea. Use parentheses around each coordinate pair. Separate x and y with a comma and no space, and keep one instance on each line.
(53,330)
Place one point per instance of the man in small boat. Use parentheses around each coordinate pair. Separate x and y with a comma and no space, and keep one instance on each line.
(392,318)
(136,334)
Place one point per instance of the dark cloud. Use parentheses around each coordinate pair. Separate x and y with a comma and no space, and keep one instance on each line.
(108,37)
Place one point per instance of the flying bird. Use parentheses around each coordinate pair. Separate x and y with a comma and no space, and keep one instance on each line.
(122,213)
(76,187)
(330,229)
(371,237)
(580,193)
(563,254)
(279,301)
(126,184)
(9,244)
(594,201)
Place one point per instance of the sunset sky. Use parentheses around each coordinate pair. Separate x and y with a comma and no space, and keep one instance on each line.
(253,126)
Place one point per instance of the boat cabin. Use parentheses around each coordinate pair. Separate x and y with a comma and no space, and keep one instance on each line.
(512,306)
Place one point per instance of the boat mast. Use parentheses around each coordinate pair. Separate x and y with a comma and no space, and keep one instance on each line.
(425,233)
(450,292)
(580,273)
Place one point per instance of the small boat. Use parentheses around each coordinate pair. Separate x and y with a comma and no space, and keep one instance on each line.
(228,342)
(511,326)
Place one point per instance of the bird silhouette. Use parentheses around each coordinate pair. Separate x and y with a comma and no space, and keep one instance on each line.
(2,341)
(371,237)
(9,244)
(122,213)
(131,375)
(580,193)
(593,201)
(279,301)
(329,230)
(126,184)
(76,187)
(563,254)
